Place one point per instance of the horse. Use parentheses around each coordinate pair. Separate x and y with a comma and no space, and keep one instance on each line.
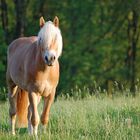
(32,73)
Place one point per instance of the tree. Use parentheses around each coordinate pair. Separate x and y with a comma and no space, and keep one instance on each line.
(133,38)
(4,19)
(20,8)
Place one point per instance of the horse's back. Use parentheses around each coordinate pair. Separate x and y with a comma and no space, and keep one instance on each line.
(21,44)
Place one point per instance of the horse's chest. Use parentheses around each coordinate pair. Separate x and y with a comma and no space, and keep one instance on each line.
(43,88)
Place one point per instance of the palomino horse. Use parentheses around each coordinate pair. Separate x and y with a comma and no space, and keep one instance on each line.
(32,72)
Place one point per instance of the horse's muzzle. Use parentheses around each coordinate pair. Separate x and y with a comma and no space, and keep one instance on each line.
(50,60)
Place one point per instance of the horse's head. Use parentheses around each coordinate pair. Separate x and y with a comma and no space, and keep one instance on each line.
(50,40)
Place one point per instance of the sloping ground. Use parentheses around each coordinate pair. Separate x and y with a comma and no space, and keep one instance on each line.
(87,119)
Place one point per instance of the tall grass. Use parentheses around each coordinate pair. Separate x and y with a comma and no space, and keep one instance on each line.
(90,118)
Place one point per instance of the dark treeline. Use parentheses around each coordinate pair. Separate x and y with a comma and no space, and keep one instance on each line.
(101,38)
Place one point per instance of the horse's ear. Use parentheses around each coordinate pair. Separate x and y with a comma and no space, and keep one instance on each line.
(56,21)
(41,22)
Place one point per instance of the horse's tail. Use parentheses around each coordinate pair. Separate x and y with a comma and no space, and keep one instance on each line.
(22,108)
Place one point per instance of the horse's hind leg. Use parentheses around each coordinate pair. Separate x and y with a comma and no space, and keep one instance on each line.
(13,106)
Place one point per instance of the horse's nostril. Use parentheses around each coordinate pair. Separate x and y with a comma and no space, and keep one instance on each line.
(52,58)
(46,58)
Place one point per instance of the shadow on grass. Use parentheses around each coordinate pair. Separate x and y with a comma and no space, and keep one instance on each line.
(5,128)
(22,131)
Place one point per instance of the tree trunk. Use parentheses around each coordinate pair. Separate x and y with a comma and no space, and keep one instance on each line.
(38,9)
(134,45)
(133,36)
(4,19)
(20,8)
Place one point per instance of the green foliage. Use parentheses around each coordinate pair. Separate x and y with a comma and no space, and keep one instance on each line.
(3,94)
(3,56)
(95,39)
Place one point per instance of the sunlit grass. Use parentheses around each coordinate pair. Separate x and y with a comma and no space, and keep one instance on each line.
(91,118)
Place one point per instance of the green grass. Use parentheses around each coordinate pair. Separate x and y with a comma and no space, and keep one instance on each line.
(86,119)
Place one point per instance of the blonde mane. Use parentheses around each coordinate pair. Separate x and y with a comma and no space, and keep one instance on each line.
(48,33)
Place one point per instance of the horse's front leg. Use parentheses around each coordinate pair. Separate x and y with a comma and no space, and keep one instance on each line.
(33,116)
(46,110)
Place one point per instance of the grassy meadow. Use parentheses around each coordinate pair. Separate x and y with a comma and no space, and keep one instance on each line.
(91,118)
